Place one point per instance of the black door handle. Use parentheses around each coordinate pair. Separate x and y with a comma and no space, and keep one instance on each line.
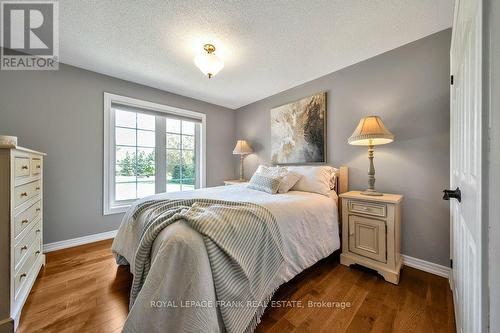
(455,194)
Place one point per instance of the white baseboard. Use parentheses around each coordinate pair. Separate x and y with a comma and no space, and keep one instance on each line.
(78,241)
(426,266)
(420,264)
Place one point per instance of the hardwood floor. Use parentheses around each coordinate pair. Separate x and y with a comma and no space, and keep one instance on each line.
(82,290)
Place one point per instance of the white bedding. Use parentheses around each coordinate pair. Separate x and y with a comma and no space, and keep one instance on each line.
(308,223)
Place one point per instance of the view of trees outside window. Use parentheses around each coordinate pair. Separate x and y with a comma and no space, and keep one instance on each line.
(181,164)
(135,164)
(135,155)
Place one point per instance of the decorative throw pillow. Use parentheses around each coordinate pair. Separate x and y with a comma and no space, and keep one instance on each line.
(265,182)
(289,178)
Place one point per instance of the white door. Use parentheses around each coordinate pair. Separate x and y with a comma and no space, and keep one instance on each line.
(465,160)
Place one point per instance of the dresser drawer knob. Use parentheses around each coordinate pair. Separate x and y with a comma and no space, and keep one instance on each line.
(22,276)
(37,188)
(38,166)
(24,248)
(38,209)
(24,221)
(24,194)
(37,252)
(24,167)
(37,230)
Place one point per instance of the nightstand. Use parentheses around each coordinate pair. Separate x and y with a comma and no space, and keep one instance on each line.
(371,233)
(235,182)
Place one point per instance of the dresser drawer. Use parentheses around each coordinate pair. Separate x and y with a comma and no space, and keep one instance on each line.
(25,218)
(26,271)
(36,166)
(369,208)
(26,245)
(25,192)
(21,167)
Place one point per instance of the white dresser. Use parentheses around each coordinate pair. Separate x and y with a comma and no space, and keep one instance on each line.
(21,229)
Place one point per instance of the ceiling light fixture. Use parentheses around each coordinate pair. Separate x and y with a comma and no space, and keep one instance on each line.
(208,63)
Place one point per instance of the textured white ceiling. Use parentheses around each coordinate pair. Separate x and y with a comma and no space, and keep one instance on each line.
(267,45)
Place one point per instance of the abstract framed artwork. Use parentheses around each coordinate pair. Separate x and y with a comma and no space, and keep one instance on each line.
(298,131)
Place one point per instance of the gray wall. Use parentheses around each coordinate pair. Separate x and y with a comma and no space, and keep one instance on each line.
(61,113)
(409,88)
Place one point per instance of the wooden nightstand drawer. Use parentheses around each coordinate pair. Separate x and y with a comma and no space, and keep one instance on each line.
(368,208)
(367,237)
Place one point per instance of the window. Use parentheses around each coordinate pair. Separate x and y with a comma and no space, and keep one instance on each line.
(181,153)
(149,148)
(135,162)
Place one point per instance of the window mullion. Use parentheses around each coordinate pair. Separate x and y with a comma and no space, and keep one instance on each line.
(136,158)
(160,155)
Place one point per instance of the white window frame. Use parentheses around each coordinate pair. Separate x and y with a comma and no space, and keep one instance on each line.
(110,206)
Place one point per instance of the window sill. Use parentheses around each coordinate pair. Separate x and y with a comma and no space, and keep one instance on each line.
(117,208)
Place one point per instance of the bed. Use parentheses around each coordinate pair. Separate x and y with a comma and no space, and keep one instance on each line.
(178,293)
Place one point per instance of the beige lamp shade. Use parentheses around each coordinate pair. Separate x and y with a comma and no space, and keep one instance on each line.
(242,148)
(371,131)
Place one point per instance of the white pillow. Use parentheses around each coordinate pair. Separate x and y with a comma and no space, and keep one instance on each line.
(316,179)
(288,181)
(333,180)
(288,178)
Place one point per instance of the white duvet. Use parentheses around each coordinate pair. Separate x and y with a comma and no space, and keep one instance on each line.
(178,292)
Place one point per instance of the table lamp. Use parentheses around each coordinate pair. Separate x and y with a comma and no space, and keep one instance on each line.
(371,132)
(242,148)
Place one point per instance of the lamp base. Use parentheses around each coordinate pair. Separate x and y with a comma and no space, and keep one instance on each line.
(372,193)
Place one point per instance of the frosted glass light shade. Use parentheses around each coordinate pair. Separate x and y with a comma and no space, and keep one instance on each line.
(371,131)
(208,63)
(242,148)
